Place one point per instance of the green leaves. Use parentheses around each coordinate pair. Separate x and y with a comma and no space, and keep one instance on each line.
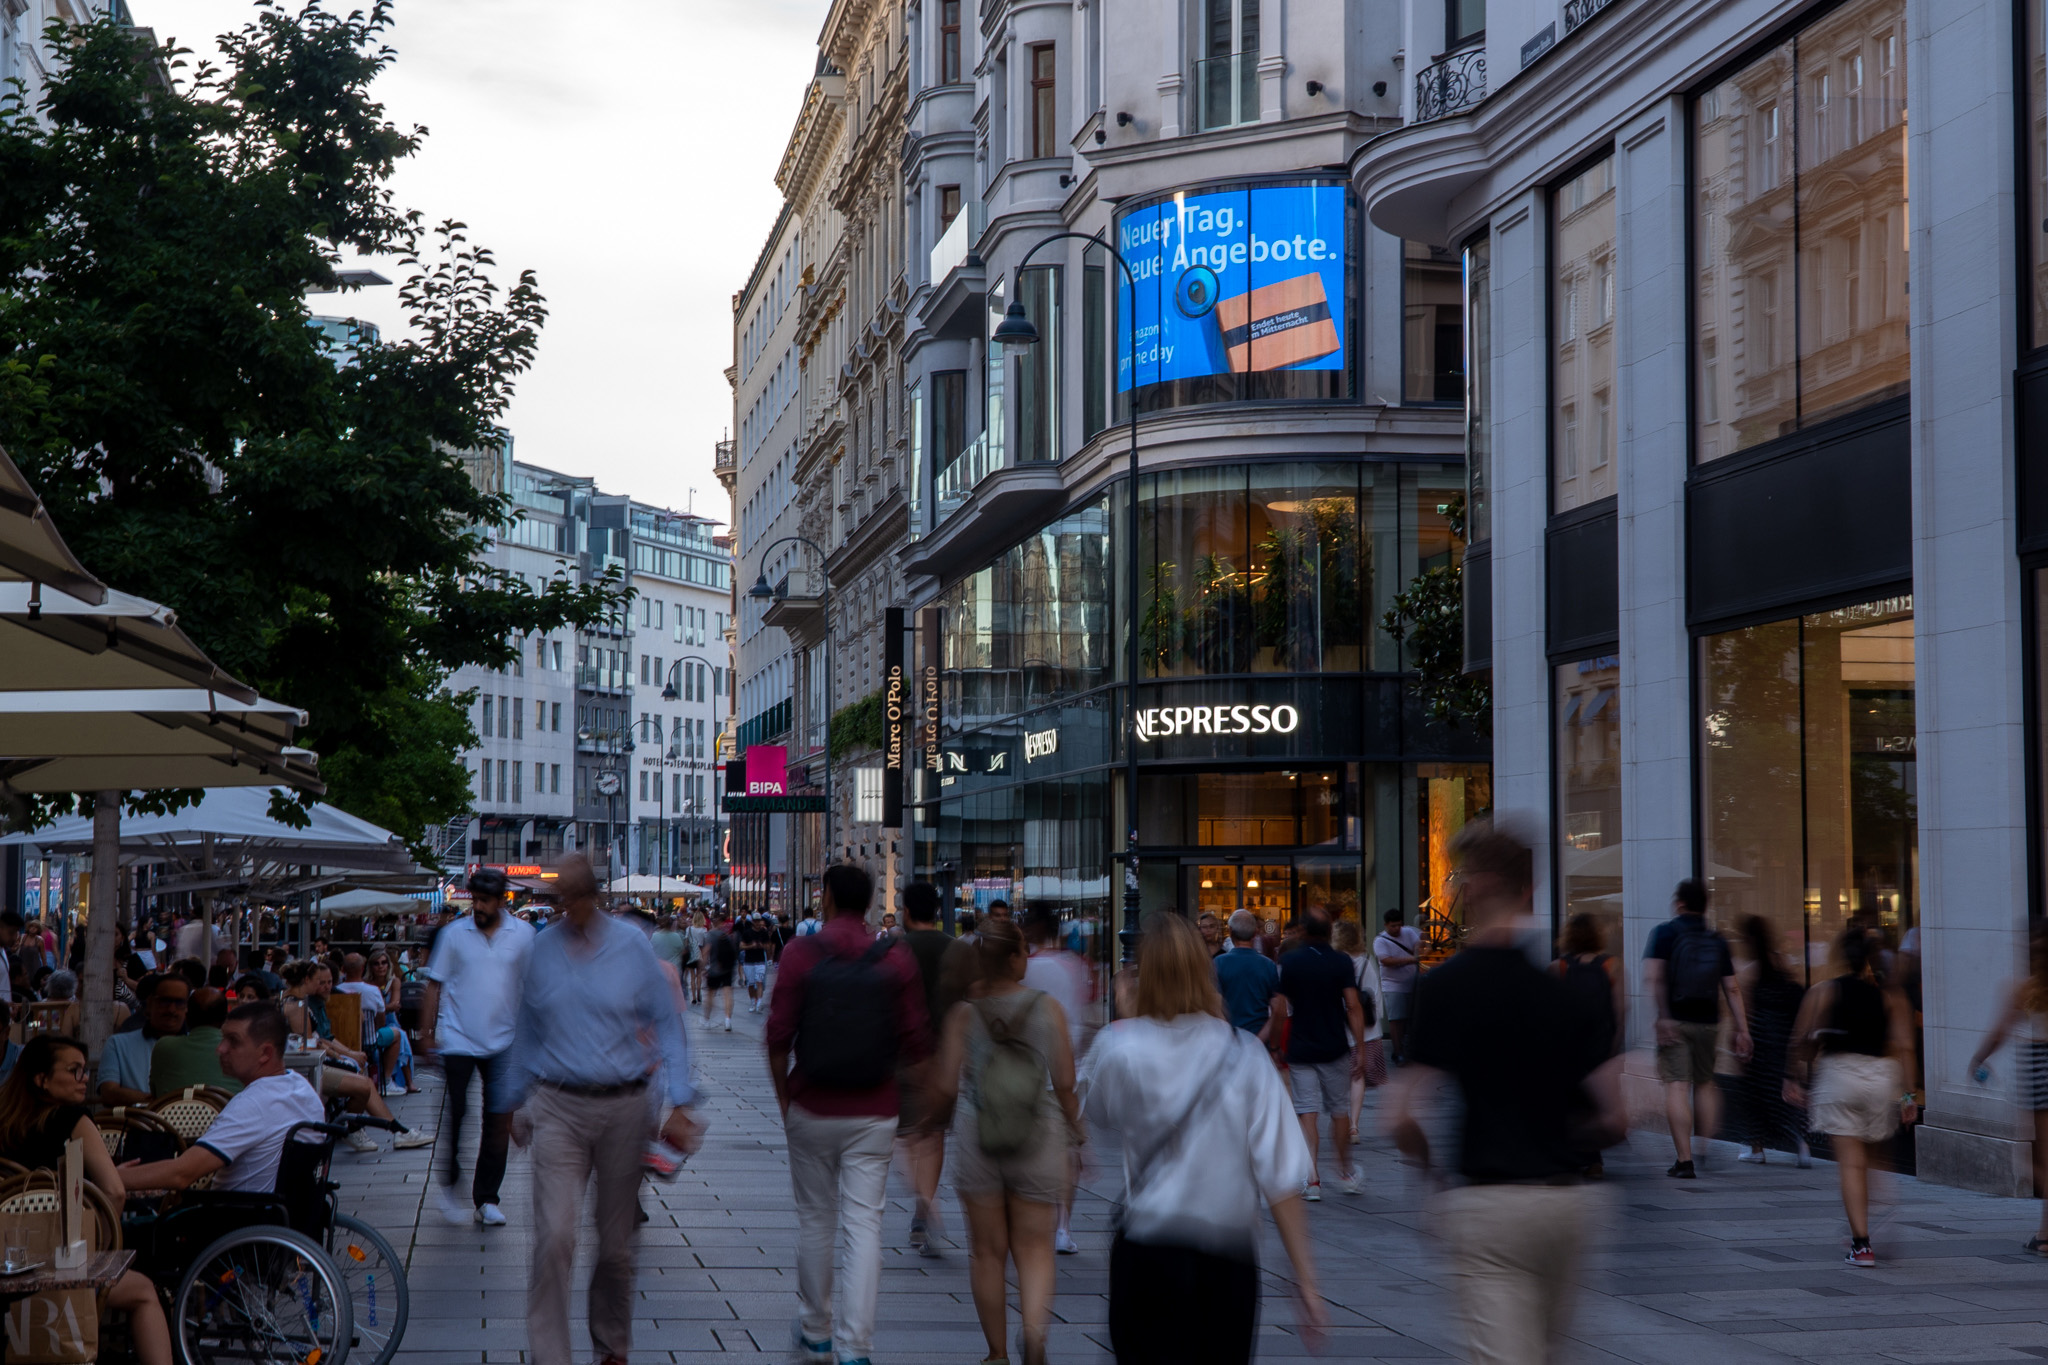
(1429,618)
(301,505)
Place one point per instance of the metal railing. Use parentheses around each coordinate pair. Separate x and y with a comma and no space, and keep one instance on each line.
(723,457)
(596,679)
(957,480)
(1228,90)
(1577,12)
(1450,86)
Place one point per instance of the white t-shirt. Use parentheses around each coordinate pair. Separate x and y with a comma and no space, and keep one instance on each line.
(479,979)
(1201,1186)
(1064,977)
(249,1134)
(1397,980)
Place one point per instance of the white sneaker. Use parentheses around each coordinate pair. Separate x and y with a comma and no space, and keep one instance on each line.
(395,1088)
(453,1211)
(361,1141)
(1753,1158)
(728,1026)
(413,1138)
(1352,1181)
(491,1216)
(1313,1192)
(1063,1243)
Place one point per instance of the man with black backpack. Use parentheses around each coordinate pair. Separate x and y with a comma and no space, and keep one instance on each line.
(850,1008)
(1688,972)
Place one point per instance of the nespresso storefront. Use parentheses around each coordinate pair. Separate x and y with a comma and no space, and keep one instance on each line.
(1284,762)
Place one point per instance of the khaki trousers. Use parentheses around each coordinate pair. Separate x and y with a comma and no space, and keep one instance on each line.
(574,1138)
(839,1175)
(1514,1250)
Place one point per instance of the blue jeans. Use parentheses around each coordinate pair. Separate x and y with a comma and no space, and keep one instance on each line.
(496,1137)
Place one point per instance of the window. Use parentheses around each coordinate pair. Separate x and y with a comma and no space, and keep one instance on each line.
(1229,72)
(540,653)
(1038,421)
(1478,416)
(556,651)
(949,44)
(1808,785)
(949,205)
(1582,236)
(2036,136)
(502,765)
(1800,297)
(517,770)
(1094,347)
(949,417)
(1587,758)
(555,717)
(867,806)
(518,713)
(1045,111)
(1433,341)
(483,770)
(554,779)
(1464,21)
(488,731)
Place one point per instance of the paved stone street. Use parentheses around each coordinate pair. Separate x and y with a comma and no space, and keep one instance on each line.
(1742,1266)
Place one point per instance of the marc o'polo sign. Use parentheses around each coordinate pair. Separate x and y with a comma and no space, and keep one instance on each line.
(1166,722)
(928,691)
(895,717)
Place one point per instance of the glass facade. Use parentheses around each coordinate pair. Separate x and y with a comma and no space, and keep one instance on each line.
(1283,568)
(1582,444)
(1478,395)
(1262,589)
(1800,231)
(1433,326)
(2036,183)
(1587,697)
(1808,783)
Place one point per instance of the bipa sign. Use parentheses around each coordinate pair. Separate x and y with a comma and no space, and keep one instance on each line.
(767,770)
(1162,722)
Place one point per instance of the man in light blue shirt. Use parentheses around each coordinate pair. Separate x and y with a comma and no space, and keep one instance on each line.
(591,993)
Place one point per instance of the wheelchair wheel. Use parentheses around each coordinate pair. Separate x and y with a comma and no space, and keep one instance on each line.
(263,1295)
(378,1298)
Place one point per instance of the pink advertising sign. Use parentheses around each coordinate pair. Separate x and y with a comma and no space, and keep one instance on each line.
(767,770)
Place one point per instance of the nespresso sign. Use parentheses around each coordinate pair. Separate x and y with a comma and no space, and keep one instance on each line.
(1164,722)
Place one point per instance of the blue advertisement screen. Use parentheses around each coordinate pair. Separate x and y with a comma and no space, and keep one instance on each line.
(1234,282)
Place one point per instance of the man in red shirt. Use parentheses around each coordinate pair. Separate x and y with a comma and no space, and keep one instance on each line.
(850,1009)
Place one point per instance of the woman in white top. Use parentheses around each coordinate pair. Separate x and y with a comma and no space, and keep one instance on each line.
(2026,1014)
(1347,938)
(1208,1132)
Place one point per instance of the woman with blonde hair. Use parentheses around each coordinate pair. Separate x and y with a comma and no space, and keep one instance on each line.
(2026,1013)
(1208,1132)
(1005,1071)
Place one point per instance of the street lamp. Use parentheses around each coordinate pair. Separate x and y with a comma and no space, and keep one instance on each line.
(609,784)
(762,592)
(1017,334)
(670,692)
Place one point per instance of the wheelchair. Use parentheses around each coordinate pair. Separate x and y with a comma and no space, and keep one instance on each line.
(281,1277)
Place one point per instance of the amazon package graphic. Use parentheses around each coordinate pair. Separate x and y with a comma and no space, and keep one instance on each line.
(1278,325)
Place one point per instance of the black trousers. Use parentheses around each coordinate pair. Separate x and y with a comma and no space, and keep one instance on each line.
(496,1137)
(1176,1306)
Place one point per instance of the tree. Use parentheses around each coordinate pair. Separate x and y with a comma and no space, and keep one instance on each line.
(299,503)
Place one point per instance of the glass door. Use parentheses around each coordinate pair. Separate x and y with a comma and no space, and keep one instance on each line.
(1215,889)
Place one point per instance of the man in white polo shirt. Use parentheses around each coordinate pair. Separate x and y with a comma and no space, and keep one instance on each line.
(471,1005)
(246,1141)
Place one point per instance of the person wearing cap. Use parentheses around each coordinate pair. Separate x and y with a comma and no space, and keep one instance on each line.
(471,1006)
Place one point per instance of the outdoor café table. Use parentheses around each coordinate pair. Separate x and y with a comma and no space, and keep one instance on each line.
(98,1273)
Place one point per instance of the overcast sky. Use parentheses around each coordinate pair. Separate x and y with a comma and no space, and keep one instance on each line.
(627,154)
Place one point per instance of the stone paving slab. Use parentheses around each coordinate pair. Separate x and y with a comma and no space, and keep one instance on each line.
(1742,1267)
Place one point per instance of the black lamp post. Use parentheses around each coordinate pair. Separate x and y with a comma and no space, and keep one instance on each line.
(670,692)
(1017,333)
(762,592)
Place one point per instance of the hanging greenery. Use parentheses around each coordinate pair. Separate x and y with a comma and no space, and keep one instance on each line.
(859,725)
(1429,618)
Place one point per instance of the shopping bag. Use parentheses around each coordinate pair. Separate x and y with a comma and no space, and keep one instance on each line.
(60,1327)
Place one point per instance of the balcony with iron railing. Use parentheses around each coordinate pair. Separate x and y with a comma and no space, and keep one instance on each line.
(1450,85)
(592,678)
(724,458)
(1227,90)
(1578,12)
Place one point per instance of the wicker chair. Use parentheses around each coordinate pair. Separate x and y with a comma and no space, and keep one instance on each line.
(190,1111)
(118,1124)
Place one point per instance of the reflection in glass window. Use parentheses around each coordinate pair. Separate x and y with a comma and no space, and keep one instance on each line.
(2037,158)
(1478,415)
(1038,378)
(1433,333)
(1800,166)
(1582,332)
(1588,761)
(1808,781)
